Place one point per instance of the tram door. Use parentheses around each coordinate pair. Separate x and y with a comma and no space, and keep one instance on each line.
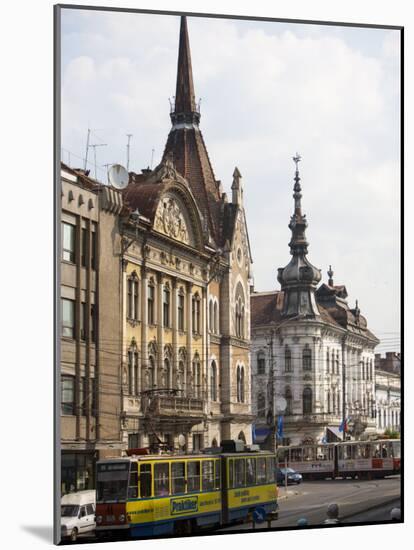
(336,461)
(226,483)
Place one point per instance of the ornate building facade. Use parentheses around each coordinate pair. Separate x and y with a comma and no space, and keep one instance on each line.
(186,269)
(312,355)
(388,391)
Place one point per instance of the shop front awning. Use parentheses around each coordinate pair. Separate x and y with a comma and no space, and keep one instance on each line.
(260,434)
(333,434)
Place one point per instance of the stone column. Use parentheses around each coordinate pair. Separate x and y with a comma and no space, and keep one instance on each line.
(144,319)
(160,332)
(189,325)
(174,326)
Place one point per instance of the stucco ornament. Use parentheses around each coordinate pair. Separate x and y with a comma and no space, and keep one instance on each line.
(170,220)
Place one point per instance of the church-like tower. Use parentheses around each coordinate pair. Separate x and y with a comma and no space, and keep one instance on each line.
(299,278)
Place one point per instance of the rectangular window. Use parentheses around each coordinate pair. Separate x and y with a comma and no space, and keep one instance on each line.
(93,249)
(166,307)
(270,469)
(67,400)
(217,477)
(181,312)
(83,321)
(136,371)
(133,481)
(193,476)
(178,477)
(84,248)
(145,480)
(130,302)
(161,479)
(239,472)
(130,373)
(68,318)
(207,475)
(250,471)
(134,441)
(68,242)
(135,297)
(93,323)
(261,470)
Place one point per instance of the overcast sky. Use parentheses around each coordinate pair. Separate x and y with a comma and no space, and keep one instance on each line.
(267,90)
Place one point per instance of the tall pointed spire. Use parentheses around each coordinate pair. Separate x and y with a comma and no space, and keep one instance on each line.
(185,108)
(299,278)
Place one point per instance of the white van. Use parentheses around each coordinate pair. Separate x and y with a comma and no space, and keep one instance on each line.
(77,514)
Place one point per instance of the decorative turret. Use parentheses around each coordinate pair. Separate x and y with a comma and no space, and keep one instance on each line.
(330,275)
(299,278)
(236,188)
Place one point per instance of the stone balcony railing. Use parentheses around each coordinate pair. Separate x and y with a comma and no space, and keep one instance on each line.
(172,405)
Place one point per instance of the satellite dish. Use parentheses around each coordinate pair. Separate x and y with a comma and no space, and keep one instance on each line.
(281,404)
(181,440)
(118,176)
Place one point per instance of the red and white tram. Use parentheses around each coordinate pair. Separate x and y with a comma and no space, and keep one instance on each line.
(369,459)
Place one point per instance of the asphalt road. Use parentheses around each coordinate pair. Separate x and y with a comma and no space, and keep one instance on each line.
(355,499)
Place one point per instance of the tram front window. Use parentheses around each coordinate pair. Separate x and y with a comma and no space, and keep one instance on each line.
(112,481)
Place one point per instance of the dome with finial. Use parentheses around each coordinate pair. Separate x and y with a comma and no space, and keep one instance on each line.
(299,278)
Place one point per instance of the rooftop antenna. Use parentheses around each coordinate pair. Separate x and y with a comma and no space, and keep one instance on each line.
(129,136)
(95,145)
(87,149)
(152,156)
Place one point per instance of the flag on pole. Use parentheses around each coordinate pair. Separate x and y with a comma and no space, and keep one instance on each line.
(279,431)
(344,425)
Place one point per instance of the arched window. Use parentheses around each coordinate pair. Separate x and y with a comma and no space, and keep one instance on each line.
(210,316)
(238,384)
(337,362)
(307,358)
(166,305)
(338,403)
(216,318)
(196,375)
(130,373)
(334,402)
(371,374)
(333,361)
(165,380)
(327,361)
(150,303)
(240,302)
(261,363)
(288,360)
(307,400)
(261,405)
(289,401)
(213,381)
(242,437)
(133,370)
(328,399)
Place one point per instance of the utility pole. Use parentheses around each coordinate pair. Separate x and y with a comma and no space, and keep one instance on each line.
(129,136)
(343,390)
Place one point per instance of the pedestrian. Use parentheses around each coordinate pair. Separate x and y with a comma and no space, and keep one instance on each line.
(332,514)
(395,514)
(302,522)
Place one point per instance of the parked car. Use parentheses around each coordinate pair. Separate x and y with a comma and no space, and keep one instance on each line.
(77,514)
(293,477)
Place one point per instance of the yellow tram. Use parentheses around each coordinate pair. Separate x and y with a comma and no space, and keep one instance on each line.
(151,495)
